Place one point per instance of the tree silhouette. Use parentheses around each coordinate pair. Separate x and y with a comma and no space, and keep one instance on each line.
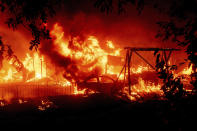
(182,29)
(1,52)
(32,14)
(7,52)
(172,87)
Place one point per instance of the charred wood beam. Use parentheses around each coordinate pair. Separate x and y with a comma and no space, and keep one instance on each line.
(151,49)
(125,70)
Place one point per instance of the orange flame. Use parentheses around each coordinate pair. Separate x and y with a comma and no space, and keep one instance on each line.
(187,71)
(89,57)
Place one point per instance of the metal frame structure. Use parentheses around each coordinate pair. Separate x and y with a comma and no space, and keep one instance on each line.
(131,50)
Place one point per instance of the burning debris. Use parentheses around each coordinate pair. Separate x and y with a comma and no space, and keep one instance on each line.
(46,104)
(78,65)
(21,101)
(83,64)
(2,103)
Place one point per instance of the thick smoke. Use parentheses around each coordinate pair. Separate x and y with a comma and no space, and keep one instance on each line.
(80,19)
(124,30)
(71,67)
(67,64)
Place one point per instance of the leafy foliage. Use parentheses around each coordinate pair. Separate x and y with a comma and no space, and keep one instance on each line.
(32,14)
(185,36)
(7,53)
(182,29)
(172,87)
(1,52)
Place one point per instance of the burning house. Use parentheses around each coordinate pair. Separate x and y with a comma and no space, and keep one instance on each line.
(130,61)
(79,54)
(69,65)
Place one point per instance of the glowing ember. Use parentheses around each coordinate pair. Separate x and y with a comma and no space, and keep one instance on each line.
(20,101)
(2,104)
(45,104)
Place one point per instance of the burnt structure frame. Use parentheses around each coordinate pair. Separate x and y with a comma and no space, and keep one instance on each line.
(129,53)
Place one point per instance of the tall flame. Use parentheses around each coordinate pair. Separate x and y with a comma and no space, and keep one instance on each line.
(36,64)
(85,57)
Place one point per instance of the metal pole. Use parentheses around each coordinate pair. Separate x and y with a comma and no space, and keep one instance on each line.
(125,69)
(129,77)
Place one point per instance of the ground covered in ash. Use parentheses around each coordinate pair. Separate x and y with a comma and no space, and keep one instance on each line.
(98,108)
